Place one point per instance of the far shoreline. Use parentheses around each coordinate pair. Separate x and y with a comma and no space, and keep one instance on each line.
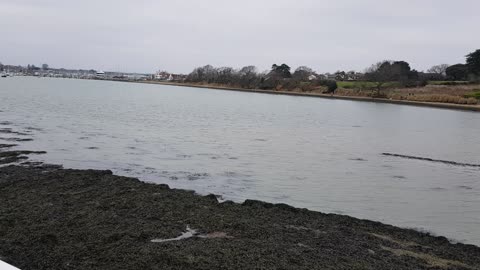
(450,106)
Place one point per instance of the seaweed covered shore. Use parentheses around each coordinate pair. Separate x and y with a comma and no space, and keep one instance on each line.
(55,218)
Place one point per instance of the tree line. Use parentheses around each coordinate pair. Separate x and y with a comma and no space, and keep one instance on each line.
(381,74)
(279,77)
(468,71)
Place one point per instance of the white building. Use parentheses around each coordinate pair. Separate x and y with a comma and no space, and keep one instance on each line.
(100,74)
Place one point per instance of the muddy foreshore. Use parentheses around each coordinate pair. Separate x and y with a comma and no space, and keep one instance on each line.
(55,218)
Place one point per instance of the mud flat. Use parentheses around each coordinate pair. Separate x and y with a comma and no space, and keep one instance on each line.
(55,218)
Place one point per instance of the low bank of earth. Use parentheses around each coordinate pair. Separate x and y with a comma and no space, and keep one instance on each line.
(54,218)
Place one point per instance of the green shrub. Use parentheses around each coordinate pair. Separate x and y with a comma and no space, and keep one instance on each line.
(332,86)
(475,94)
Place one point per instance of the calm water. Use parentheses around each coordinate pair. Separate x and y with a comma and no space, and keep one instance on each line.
(320,154)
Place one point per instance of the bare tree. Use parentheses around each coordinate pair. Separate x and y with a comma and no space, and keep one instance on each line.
(439,69)
(225,75)
(205,74)
(375,67)
(248,77)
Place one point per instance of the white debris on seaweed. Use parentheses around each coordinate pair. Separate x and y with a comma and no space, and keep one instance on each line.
(190,233)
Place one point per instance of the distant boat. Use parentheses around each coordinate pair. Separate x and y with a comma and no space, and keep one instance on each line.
(4,75)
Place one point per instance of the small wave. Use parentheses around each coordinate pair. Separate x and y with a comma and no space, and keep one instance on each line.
(17,139)
(231,174)
(358,159)
(34,129)
(10,131)
(197,176)
(185,175)
(433,160)
(7,145)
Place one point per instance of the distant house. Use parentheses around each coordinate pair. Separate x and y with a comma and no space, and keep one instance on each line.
(162,75)
(165,76)
(330,76)
(354,76)
(342,76)
(100,74)
(322,76)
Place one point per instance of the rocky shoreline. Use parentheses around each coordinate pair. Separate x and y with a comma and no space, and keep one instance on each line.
(55,218)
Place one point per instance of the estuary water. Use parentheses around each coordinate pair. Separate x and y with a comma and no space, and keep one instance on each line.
(321,154)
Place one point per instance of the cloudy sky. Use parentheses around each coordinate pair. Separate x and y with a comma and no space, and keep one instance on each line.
(147,35)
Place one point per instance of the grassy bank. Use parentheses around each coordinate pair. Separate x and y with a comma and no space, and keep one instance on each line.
(452,94)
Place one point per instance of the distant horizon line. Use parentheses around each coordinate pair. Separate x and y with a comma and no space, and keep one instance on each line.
(166,70)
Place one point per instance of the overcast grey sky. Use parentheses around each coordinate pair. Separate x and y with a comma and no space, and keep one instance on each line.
(147,35)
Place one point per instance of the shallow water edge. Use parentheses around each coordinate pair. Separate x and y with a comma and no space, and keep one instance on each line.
(119,222)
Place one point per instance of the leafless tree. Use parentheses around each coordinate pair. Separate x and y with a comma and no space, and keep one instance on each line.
(202,74)
(439,69)
(248,77)
(225,75)
(375,67)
